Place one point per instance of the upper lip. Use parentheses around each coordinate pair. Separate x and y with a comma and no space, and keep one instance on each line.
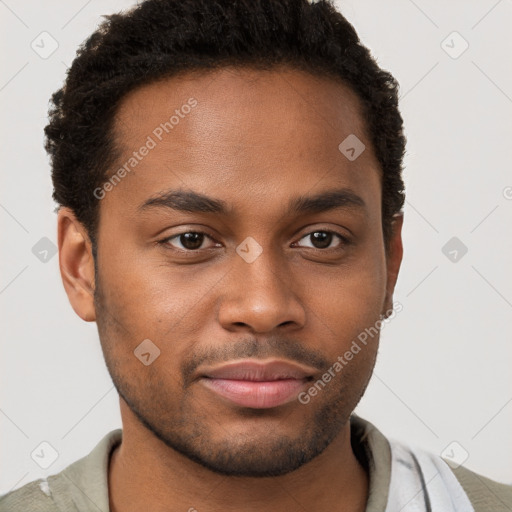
(259,371)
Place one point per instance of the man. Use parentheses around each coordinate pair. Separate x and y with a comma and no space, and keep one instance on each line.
(229,180)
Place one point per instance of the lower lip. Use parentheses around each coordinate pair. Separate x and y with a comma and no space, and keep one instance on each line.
(256,394)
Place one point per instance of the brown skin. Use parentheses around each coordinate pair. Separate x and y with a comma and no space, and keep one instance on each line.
(255,140)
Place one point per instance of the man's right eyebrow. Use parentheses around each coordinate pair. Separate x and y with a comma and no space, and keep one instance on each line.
(185,201)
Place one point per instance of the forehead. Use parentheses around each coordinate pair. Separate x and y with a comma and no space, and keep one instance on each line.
(266,103)
(236,133)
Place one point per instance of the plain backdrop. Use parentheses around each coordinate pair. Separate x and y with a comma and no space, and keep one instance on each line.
(443,371)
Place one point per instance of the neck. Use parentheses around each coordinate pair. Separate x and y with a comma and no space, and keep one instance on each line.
(145,474)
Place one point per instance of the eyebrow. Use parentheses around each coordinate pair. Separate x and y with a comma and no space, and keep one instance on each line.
(194,202)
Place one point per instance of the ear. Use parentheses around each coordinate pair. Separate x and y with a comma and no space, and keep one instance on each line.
(393,260)
(76,264)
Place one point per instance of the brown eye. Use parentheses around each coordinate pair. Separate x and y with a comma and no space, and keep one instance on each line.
(321,239)
(324,239)
(189,241)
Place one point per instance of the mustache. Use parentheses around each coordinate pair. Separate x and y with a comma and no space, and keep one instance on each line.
(252,347)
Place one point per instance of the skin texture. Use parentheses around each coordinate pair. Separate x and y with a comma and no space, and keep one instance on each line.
(255,140)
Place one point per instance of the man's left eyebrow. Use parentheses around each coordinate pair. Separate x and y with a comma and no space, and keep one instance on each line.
(326,201)
(190,201)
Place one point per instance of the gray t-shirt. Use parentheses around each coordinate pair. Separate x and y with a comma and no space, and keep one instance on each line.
(83,485)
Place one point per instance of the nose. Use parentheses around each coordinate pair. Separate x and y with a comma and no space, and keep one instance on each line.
(260,296)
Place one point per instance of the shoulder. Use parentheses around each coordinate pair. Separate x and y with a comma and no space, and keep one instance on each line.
(78,487)
(31,496)
(485,494)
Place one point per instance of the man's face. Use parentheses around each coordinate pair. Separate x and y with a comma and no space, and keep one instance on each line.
(255,141)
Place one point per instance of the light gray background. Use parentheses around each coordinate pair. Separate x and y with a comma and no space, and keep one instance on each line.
(443,372)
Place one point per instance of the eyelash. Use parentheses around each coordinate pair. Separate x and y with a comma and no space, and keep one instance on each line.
(344,241)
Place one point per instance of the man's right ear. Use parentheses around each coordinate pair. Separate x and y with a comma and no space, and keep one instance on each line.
(76,264)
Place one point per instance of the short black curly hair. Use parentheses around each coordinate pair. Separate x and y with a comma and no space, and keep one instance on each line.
(160,38)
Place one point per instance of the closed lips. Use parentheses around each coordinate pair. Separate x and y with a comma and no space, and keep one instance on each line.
(256,371)
(257,385)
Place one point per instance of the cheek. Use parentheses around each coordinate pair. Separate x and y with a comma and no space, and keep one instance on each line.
(139,284)
(152,300)
(350,297)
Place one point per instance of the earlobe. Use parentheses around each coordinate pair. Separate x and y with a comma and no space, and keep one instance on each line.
(393,260)
(76,264)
